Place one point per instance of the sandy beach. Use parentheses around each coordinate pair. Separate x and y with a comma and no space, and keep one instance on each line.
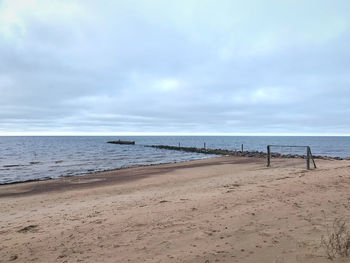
(227,209)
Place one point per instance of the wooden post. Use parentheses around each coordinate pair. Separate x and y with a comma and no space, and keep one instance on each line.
(312,158)
(179,145)
(204,146)
(268,155)
(308,158)
(242,148)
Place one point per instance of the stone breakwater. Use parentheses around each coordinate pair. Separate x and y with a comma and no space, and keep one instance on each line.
(255,154)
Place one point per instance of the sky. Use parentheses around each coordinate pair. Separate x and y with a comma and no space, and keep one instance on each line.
(184,67)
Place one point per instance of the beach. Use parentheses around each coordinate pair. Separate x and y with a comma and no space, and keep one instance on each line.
(225,209)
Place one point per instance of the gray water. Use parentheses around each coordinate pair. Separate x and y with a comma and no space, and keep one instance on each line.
(38,158)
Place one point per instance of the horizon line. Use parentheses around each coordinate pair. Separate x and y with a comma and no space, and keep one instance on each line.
(14,134)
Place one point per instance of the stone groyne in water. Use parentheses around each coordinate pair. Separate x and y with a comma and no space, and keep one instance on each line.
(255,154)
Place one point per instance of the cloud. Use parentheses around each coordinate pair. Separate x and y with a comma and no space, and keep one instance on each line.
(190,67)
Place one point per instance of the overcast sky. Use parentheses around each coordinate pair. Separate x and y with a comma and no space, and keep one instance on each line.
(175,67)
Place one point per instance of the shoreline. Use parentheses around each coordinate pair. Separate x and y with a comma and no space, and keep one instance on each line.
(216,153)
(44,179)
(119,175)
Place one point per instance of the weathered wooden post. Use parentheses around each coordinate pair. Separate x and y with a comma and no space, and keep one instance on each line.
(179,145)
(312,159)
(268,156)
(204,146)
(242,148)
(308,158)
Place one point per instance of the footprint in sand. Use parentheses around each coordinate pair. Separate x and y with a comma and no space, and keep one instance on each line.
(30,228)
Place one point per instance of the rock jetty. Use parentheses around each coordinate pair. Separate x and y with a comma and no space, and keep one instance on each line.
(255,154)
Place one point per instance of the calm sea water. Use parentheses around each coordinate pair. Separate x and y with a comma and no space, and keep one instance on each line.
(29,158)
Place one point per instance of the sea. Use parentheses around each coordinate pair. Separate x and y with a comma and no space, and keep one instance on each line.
(26,158)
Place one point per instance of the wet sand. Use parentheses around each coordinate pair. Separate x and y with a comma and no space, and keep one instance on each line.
(228,209)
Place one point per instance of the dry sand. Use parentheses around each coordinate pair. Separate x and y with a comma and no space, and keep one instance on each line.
(228,209)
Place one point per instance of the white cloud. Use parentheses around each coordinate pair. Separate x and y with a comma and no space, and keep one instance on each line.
(168,84)
(274,95)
